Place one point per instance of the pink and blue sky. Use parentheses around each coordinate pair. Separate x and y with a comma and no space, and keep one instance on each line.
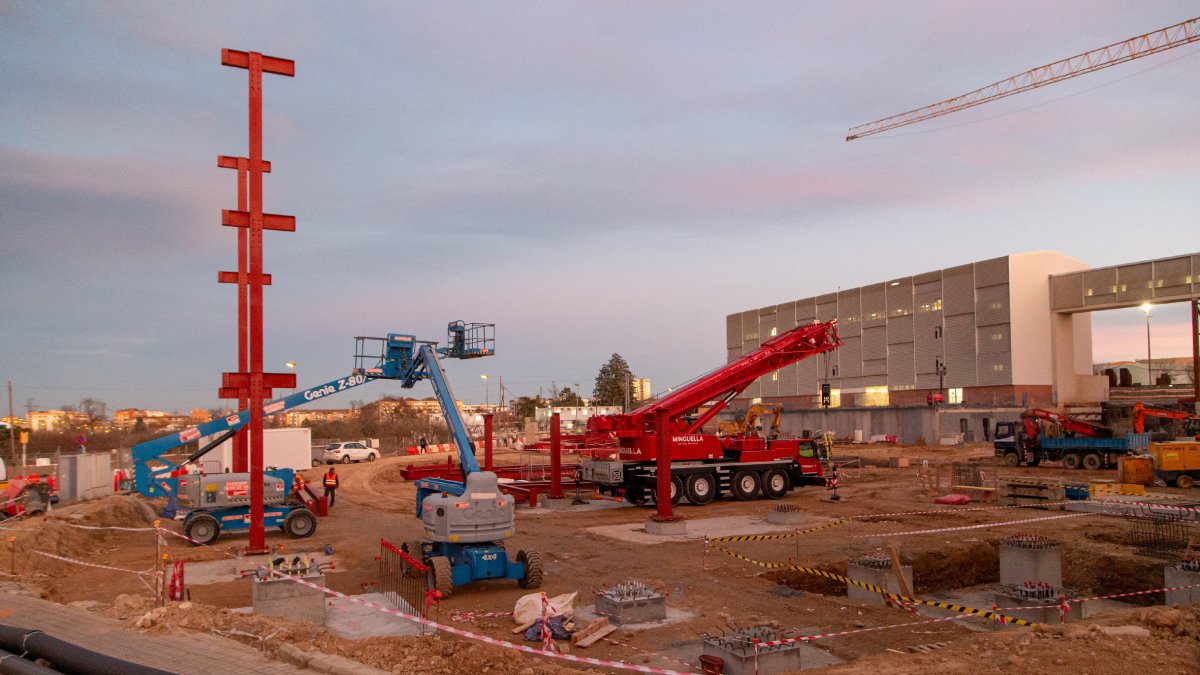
(592,177)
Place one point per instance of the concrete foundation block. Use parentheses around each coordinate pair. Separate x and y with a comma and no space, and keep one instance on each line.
(880,576)
(281,597)
(1176,575)
(1030,560)
(787,516)
(666,527)
(631,610)
(737,651)
(1040,611)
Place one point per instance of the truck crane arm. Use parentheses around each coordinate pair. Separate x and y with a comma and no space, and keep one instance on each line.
(1073,425)
(1141,411)
(722,384)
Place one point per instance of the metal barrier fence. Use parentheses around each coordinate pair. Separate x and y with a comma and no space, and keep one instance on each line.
(404,580)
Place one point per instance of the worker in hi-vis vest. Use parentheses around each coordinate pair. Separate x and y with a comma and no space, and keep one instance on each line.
(332,483)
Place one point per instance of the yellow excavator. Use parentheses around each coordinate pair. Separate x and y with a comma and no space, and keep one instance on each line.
(745,425)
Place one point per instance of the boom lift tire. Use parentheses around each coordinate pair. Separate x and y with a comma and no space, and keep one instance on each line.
(532,560)
(701,488)
(776,484)
(1185,481)
(1091,461)
(300,523)
(1071,461)
(443,579)
(745,485)
(202,528)
(1011,459)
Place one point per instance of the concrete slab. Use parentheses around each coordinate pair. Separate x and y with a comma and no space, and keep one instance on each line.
(669,528)
(700,528)
(349,619)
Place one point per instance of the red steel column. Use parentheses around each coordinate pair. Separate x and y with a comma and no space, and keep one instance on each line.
(256,384)
(1196,356)
(662,432)
(487,442)
(556,491)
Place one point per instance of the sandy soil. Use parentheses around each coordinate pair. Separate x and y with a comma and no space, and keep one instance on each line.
(717,590)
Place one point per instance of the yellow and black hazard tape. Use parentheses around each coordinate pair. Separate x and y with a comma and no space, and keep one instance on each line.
(894,597)
(788,535)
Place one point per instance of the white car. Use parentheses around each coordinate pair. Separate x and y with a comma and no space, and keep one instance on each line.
(354,451)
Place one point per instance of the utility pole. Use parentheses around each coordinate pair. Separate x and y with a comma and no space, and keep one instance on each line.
(12,427)
(628,390)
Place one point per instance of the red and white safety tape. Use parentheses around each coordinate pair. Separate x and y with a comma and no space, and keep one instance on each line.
(484,638)
(88,564)
(1134,593)
(981,526)
(112,527)
(1148,505)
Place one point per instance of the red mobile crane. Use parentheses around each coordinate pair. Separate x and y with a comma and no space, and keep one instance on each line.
(704,466)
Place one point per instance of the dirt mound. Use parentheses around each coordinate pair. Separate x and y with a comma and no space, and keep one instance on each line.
(57,531)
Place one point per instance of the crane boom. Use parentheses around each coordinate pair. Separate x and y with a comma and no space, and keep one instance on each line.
(1153,42)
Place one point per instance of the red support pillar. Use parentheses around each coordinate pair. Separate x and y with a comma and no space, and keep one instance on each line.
(1196,356)
(556,491)
(487,442)
(662,452)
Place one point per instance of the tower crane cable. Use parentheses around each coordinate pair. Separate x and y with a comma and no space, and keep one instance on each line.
(1153,42)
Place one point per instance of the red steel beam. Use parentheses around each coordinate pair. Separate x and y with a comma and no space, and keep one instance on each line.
(555,457)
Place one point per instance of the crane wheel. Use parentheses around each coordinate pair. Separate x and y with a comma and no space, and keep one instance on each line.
(532,560)
(1092,461)
(745,485)
(443,579)
(701,488)
(1071,461)
(776,484)
(1011,459)
(1185,481)
(204,529)
(300,523)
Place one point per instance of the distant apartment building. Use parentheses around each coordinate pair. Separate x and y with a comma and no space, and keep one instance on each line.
(642,390)
(301,416)
(127,418)
(572,418)
(56,420)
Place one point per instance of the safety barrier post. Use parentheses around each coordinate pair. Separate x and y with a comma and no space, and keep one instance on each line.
(487,442)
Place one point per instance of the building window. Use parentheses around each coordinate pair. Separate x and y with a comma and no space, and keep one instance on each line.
(998,368)
(937,332)
(834,371)
(1089,293)
(997,337)
(775,376)
(954,395)
(835,398)
(875,396)
(756,400)
(774,331)
(995,305)
(751,336)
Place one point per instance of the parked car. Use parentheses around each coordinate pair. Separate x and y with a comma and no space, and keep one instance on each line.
(353,451)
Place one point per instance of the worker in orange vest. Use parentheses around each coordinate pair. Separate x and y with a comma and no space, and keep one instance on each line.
(298,486)
(332,483)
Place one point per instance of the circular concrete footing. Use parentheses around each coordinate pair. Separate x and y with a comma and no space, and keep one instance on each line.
(787,517)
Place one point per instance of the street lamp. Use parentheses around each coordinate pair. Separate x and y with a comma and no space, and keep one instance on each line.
(292,365)
(1149,363)
(486,393)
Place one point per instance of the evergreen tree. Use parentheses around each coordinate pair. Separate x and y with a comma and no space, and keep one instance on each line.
(613,383)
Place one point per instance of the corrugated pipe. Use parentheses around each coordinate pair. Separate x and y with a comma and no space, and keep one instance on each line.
(66,657)
(15,665)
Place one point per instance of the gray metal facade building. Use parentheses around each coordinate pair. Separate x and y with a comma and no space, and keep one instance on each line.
(989,323)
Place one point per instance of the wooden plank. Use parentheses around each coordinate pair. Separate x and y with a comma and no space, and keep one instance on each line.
(524,627)
(899,572)
(589,629)
(594,637)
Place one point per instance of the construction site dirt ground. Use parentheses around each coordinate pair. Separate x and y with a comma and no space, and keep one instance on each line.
(711,591)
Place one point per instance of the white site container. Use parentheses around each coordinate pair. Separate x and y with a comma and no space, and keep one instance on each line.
(286,448)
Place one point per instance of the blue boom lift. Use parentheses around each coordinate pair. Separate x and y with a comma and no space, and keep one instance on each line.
(464,523)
